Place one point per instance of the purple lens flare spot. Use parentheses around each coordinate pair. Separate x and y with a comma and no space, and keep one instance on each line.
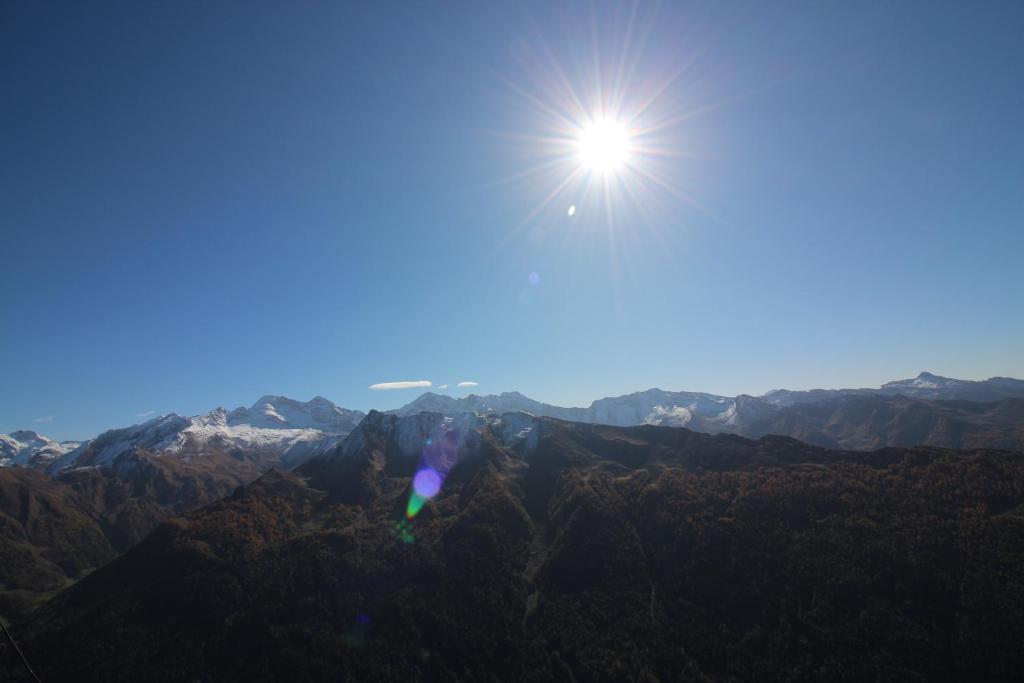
(427,482)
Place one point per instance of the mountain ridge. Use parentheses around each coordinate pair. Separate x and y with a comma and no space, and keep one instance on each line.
(273,423)
(930,399)
(302,429)
(924,385)
(30,448)
(568,551)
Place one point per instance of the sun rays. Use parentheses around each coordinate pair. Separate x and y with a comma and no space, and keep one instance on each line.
(602,135)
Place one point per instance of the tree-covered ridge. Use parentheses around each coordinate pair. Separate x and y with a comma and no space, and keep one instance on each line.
(602,553)
(55,530)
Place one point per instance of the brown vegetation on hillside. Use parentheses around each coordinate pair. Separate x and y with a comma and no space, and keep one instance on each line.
(604,553)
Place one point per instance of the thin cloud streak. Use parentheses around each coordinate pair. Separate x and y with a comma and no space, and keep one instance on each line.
(145,413)
(463,385)
(392,386)
(43,420)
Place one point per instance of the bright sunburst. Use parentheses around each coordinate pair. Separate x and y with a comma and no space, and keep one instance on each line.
(604,146)
(602,133)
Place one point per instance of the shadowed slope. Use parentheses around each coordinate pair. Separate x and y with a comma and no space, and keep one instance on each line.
(559,551)
(53,530)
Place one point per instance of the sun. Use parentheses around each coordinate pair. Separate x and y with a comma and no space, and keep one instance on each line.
(603,145)
(605,136)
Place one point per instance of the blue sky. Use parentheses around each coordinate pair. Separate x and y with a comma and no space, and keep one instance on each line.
(202,203)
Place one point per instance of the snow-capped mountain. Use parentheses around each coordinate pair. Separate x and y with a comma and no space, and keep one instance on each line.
(507,402)
(698,411)
(929,386)
(702,412)
(751,416)
(384,445)
(287,430)
(31,449)
(925,386)
(280,412)
(105,448)
(405,434)
(405,438)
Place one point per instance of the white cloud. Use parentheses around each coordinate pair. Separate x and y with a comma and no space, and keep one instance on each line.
(467,384)
(43,420)
(390,386)
(442,386)
(145,413)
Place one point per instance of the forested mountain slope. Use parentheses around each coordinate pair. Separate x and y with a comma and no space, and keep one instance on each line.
(561,551)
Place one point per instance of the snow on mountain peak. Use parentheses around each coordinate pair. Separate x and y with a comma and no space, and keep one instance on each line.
(406,433)
(293,428)
(924,380)
(281,412)
(27,435)
(298,429)
(27,447)
(216,417)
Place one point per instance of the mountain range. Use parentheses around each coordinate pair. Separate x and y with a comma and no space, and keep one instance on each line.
(566,551)
(926,410)
(713,412)
(115,489)
(287,432)
(67,508)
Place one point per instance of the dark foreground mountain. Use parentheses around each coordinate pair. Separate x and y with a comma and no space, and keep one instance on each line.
(55,530)
(127,480)
(108,493)
(559,551)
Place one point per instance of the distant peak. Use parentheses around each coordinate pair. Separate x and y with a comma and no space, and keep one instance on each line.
(923,379)
(26,434)
(264,400)
(156,419)
(215,416)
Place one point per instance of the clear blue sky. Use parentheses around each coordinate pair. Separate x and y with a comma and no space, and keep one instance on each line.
(201,203)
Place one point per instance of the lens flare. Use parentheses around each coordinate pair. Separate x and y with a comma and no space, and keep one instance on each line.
(440,454)
(403,531)
(427,483)
(416,503)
